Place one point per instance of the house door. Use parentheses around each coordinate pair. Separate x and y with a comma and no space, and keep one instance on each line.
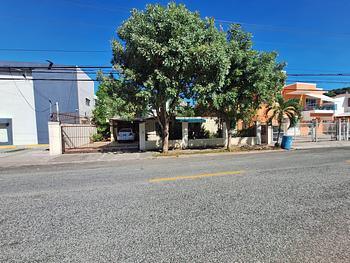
(6,132)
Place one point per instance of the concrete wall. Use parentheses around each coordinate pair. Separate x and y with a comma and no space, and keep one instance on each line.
(26,100)
(55,138)
(17,103)
(342,103)
(63,92)
(237,141)
(156,145)
(85,91)
(202,143)
(206,143)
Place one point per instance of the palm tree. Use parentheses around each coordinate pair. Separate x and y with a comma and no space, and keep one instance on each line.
(282,109)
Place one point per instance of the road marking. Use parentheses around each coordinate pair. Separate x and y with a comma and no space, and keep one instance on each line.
(36,145)
(197,176)
(8,147)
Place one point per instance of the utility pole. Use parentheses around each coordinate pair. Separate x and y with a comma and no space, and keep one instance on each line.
(57,112)
(50,110)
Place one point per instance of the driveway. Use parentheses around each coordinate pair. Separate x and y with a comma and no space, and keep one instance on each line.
(271,207)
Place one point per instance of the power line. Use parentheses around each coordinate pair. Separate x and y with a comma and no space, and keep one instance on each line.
(95,70)
(57,67)
(114,9)
(282,28)
(289,75)
(320,81)
(319,75)
(77,72)
(25,99)
(90,80)
(50,79)
(52,50)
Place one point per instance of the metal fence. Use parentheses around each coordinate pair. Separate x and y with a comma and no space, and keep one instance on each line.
(345,130)
(70,118)
(315,131)
(326,131)
(77,136)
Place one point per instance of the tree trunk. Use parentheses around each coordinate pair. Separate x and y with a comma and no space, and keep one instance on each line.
(279,133)
(165,137)
(229,135)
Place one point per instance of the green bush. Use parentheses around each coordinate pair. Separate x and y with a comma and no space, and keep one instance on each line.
(97,137)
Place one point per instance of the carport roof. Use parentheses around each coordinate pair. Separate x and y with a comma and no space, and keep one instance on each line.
(132,120)
(191,119)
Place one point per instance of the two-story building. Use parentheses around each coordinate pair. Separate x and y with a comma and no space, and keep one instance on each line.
(31,93)
(343,106)
(315,104)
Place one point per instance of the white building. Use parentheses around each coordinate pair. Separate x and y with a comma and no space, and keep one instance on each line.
(28,94)
(343,106)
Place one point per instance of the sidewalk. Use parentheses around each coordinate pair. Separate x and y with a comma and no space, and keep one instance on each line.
(16,148)
(320,144)
(37,156)
(29,157)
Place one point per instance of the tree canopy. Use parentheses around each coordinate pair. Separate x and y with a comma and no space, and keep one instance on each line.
(335,92)
(168,53)
(253,78)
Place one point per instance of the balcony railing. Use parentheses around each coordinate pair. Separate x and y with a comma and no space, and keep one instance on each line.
(320,107)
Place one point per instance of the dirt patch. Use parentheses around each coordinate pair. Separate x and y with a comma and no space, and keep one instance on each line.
(219,150)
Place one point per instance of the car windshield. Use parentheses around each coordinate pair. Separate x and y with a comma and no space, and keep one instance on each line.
(125,130)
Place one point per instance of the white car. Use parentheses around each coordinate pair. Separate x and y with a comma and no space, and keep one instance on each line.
(125,134)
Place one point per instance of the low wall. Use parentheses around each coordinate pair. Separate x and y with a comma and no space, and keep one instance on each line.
(201,143)
(236,141)
(206,143)
(156,145)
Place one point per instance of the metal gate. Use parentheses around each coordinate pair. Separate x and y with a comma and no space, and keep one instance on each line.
(345,130)
(314,131)
(326,131)
(77,137)
(264,133)
(302,132)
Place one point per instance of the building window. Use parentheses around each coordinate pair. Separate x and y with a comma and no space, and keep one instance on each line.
(87,102)
(348,102)
(311,103)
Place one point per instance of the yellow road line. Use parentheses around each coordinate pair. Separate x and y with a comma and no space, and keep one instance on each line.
(197,176)
(8,147)
(36,145)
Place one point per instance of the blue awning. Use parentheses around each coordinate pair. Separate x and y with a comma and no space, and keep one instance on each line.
(191,119)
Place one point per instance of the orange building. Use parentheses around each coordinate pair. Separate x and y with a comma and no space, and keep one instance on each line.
(315,104)
(316,107)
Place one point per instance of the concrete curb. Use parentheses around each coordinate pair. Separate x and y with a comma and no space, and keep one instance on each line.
(220,153)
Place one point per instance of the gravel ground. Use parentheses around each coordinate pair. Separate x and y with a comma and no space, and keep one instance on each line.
(284,207)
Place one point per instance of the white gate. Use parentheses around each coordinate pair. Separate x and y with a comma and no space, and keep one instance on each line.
(77,136)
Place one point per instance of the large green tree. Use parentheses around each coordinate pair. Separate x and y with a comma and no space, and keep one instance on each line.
(168,53)
(254,78)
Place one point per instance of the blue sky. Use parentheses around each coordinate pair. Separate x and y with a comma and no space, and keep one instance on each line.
(311,36)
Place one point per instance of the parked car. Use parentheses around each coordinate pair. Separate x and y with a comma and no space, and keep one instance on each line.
(125,134)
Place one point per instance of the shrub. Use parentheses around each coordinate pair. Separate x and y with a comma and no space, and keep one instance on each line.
(97,137)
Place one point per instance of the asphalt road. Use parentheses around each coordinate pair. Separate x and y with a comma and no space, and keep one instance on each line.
(268,207)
